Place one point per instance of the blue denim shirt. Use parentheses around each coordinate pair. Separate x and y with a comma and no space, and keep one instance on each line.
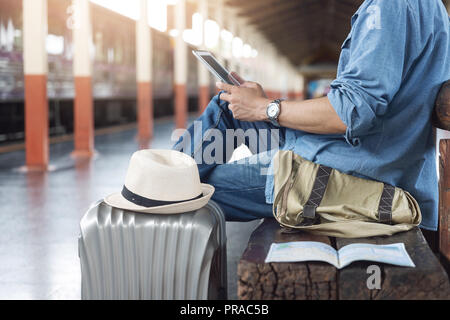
(391,67)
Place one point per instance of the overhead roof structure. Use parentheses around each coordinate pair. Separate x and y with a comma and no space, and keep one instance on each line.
(305,31)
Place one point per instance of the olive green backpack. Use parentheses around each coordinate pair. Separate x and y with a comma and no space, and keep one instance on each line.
(324,201)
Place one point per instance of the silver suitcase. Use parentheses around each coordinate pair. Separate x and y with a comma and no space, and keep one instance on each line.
(126,255)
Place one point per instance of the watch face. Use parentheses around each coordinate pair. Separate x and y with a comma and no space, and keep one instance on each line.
(272,110)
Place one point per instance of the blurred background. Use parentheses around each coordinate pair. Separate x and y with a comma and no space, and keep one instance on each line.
(284,45)
(85,83)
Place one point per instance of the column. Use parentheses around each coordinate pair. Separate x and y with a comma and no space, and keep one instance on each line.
(181,99)
(82,69)
(35,70)
(254,66)
(287,81)
(220,21)
(277,66)
(299,87)
(305,83)
(284,78)
(245,36)
(260,63)
(272,72)
(144,61)
(232,24)
(263,65)
(291,84)
(203,74)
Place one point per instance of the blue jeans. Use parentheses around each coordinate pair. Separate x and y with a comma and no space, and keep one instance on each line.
(240,186)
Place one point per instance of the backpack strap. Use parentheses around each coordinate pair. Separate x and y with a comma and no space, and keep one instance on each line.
(385,206)
(317,192)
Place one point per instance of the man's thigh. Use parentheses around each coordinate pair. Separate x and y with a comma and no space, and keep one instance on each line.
(240,188)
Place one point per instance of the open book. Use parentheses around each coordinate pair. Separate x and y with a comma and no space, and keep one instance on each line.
(316,251)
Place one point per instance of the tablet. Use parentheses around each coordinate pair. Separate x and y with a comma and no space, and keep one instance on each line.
(215,67)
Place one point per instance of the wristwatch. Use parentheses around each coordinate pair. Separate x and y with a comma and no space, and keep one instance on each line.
(273,111)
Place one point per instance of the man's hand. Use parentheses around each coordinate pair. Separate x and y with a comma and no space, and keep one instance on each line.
(247,102)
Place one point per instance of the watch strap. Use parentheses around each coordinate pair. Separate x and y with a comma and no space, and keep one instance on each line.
(275,123)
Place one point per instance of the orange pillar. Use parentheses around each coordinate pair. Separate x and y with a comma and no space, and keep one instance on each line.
(181,106)
(291,95)
(144,61)
(83,117)
(145,111)
(299,95)
(82,69)
(203,98)
(35,70)
(36,122)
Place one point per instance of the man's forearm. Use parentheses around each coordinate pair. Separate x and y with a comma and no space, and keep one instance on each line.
(314,116)
(249,103)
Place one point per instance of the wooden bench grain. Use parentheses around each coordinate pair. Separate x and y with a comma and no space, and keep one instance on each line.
(441,120)
(322,281)
(428,280)
(291,281)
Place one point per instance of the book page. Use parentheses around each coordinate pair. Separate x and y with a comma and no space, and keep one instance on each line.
(395,254)
(302,251)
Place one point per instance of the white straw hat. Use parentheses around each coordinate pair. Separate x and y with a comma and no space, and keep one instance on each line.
(161,181)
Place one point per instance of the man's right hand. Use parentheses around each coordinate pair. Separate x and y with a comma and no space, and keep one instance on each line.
(249,84)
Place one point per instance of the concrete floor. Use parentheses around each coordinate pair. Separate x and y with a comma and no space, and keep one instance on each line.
(40,215)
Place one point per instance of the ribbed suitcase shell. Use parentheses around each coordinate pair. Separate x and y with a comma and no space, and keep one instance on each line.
(126,255)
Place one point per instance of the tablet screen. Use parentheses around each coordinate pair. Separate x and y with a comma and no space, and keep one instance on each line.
(217,67)
(208,59)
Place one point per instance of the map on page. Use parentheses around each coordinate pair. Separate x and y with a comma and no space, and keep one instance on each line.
(394,254)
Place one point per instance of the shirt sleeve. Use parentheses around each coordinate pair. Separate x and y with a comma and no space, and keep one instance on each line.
(369,80)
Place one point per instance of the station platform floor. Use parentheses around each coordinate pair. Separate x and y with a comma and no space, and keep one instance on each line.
(40,215)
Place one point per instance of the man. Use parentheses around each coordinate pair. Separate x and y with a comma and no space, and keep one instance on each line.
(374,123)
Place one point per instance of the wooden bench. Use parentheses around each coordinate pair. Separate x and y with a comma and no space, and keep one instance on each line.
(321,281)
